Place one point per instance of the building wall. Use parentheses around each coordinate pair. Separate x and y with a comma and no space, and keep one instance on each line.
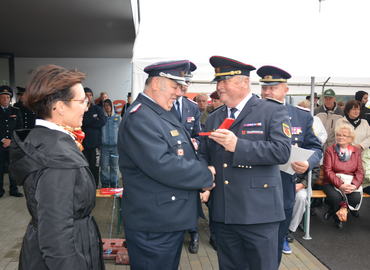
(111,75)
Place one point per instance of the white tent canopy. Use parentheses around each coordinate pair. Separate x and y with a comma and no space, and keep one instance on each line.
(290,34)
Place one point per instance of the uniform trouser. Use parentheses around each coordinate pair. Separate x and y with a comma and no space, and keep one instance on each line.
(289,194)
(251,247)
(334,198)
(283,231)
(109,166)
(91,156)
(298,209)
(211,224)
(154,250)
(4,164)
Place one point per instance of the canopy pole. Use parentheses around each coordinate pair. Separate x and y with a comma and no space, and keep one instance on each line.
(309,184)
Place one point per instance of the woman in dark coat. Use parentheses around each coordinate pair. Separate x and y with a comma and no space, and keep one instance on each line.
(59,188)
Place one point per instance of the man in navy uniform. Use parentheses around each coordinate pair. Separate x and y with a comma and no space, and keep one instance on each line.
(247,202)
(10,120)
(128,103)
(187,111)
(188,114)
(274,85)
(161,170)
(28,116)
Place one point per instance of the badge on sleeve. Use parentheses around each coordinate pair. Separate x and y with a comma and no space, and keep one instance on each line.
(286,130)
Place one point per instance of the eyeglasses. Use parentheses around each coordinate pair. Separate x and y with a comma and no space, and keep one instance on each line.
(82,101)
(342,135)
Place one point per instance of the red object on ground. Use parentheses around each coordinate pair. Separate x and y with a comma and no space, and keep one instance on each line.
(226,124)
(115,249)
(111,191)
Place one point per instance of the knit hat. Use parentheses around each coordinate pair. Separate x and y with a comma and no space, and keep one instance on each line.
(359,95)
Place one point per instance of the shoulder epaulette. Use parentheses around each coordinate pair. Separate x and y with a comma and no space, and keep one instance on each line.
(303,108)
(274,100)
(135,108)
(192,101)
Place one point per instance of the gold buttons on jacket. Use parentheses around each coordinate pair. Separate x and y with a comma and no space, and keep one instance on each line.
(226,182)
(265,185)
(225,165)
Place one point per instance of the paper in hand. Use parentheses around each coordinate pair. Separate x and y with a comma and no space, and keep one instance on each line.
(296,154)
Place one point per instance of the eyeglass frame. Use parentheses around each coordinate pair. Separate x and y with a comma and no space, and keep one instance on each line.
(343,136)
(85,100)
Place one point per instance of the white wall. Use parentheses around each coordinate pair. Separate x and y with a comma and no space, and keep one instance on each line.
(111,75)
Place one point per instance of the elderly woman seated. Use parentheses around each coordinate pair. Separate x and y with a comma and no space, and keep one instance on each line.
(343,175)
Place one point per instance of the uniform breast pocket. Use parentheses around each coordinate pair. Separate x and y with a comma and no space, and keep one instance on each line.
(189,125)
(179,145)
(263,182)
(297,139)
(255,133)
(171,197)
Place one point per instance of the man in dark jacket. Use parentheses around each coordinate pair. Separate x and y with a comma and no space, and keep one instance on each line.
(188,113)
(161,170)
(247,202)
(28,116)
(274,85)
(10,120)
(128,103)
(363,96)
(93,121)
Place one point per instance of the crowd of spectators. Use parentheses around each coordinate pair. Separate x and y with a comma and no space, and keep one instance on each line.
(346,162)
(342,129)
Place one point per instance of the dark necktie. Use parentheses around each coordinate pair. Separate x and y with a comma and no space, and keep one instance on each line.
(177,107)
(232,112)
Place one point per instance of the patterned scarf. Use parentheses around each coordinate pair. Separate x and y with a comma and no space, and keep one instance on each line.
(343,154)
(77,134)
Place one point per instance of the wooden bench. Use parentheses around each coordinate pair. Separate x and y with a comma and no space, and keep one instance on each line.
(321,194)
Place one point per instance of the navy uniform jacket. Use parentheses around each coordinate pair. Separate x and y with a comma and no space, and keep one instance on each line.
(93,121)
(162,173)
(248,183)
(190,117)
(304,137)
(10,120)
(28,116)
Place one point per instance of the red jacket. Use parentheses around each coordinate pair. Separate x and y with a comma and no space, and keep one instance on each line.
(333,165)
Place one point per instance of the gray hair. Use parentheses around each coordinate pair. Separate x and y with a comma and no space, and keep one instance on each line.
(349,127)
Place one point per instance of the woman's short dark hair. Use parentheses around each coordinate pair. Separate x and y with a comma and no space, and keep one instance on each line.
(49,84)
(350,105)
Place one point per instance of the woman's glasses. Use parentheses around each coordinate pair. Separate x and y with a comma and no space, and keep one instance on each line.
(342,135)
(82,101)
